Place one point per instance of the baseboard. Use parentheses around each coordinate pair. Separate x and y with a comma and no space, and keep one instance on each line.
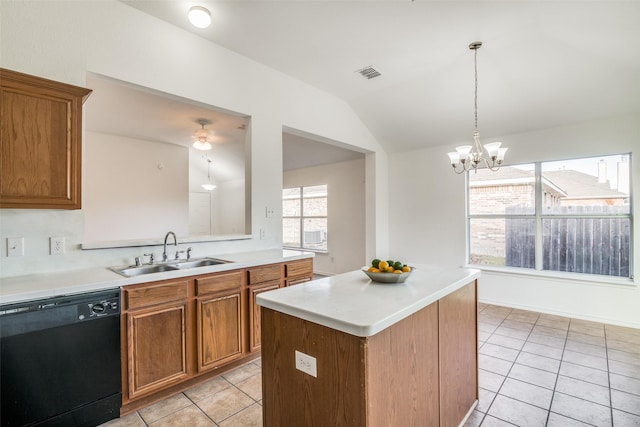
(561,313)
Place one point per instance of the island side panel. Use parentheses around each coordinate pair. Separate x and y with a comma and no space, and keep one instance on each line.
(291,397)
(458,354)
(402,372)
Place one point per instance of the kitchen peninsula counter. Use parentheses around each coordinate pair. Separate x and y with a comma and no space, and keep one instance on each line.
(346,351)
(44,285)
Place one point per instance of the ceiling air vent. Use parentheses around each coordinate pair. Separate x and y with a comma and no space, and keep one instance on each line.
(368,72)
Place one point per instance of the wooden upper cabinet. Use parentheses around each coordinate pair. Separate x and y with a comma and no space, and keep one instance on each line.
(40,142)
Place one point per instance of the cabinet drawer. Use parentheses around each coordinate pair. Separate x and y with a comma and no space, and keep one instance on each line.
(264,274)
(148,295)
(299,268)
(297,280)
(219,283)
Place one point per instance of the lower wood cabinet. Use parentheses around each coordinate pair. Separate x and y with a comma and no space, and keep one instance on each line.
(220,321)
(261,279)
(255,329)
(298,271)
(156,353)
(181,331)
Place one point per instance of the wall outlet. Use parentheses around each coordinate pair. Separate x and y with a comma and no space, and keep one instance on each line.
(306,364)
(262,234)
(15,246)
(56,245)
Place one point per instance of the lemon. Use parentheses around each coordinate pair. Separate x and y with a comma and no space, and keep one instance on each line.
(406,269)
(383,265)
(397,271)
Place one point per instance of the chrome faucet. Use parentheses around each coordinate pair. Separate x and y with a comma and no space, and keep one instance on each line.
(175,242)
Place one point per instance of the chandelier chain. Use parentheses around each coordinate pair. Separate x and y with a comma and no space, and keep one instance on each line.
(475,98)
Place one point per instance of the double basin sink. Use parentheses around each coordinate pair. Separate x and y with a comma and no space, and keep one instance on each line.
(137,270)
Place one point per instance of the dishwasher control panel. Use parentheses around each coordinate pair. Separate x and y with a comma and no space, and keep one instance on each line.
(99,308)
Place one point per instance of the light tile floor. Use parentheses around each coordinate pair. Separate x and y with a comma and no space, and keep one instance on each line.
(535,370)
(543,370)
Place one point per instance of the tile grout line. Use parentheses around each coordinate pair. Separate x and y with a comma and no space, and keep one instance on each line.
(555,385)
(200,409)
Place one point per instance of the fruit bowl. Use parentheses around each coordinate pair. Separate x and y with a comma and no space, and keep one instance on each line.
(387,277)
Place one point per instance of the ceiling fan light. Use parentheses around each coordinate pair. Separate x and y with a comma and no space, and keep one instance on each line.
(202,145)
(201,133)
(199,16)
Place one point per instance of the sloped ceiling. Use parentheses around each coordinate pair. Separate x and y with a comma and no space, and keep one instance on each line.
(543,63)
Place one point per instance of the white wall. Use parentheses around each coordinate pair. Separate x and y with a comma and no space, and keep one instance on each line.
(229,202)
(346,213)
(427,219)
(64,40)
(134,189)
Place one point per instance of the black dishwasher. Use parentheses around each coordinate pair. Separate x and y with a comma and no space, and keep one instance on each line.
(60,361)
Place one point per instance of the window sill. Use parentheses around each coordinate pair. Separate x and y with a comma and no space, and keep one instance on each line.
(317,251)
(571,277)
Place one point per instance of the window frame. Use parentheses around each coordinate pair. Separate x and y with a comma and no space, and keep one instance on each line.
(539,216)
(302,217)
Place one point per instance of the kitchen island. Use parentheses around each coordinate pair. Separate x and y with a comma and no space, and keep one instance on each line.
(346,351)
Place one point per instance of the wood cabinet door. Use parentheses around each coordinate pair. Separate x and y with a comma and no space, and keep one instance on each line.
(40,142)
(157,348)
(219,330)
(458,354)
(255,329)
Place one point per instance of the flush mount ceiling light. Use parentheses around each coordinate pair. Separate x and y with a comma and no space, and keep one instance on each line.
(208,186)
(470,156)
(199,16)
(202,136)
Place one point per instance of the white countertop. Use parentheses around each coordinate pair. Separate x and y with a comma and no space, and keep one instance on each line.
(45,285)
(352,303)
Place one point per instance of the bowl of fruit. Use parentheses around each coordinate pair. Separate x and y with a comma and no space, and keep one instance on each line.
(388,271)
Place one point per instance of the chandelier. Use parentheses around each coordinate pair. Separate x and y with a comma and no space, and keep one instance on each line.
(467,157)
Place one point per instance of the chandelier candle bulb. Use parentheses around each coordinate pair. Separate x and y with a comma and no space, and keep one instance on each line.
(454,156)
(492,149)
(464,151)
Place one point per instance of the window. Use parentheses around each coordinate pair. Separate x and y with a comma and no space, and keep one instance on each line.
(570,215)
(304,217)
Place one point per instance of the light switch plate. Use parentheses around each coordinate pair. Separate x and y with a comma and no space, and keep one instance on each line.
(15,246)
(306,364)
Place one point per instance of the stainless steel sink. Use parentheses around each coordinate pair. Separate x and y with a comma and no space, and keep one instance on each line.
(132,271)
(201,262)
